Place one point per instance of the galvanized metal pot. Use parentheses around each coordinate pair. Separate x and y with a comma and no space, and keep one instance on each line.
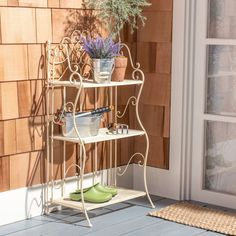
(102,69)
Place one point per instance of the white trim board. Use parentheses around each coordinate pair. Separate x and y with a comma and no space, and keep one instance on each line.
(159,181)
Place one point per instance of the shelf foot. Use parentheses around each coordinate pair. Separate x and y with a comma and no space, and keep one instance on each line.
(87,218)
(150,201)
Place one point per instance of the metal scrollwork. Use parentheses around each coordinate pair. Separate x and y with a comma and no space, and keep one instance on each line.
(133,101)
(140,163)
(69,57)
(130,57)
(58,117)
(58,184)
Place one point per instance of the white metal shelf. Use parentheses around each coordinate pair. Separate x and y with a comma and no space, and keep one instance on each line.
(91,84)
(54,60)
(123,195)
(102,136)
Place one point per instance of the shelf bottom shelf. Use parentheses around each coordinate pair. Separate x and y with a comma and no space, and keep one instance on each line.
(123,195)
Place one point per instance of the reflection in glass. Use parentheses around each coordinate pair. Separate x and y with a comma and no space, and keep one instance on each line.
(220,157)
(222,19)
(221,60)
(221,80)
(221,95)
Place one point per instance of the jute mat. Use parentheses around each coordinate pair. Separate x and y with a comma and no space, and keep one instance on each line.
(198,216)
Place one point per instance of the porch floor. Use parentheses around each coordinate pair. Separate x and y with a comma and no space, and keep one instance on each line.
(128,218)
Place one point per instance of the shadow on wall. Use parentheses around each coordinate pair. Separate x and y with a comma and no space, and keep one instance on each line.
(83,19)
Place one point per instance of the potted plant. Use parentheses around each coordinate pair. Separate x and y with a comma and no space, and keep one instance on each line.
(115,14)
(102,52)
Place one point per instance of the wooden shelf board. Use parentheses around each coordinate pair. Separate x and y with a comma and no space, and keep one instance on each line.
(90,84)
(123,195)
(102,136)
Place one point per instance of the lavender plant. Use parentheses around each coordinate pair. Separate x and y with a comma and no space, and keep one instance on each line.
(101,48)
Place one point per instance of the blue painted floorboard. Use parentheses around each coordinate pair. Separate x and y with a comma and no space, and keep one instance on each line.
(127,218)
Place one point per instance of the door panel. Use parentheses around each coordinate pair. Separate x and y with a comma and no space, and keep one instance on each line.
(220,157)
(214,109)
(222,18)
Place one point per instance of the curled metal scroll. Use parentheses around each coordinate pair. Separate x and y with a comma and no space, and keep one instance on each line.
(64,179)
(68,56)
(131,100)
(130,57)
(138,74)
(140,163)
(72,165)
(58,117)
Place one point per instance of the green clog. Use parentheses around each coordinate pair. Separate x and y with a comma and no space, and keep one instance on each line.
(106,189)
(100,188)
(84,190)
(92,195)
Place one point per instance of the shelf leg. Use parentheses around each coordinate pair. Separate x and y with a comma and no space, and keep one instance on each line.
(82,164)
(95,173)
(115,167)
(110,179)
(145,172)
(146,136)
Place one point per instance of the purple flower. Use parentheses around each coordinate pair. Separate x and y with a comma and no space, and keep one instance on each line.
(100,48)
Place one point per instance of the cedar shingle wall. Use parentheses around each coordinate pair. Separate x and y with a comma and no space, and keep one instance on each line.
(25,25)
(154,54)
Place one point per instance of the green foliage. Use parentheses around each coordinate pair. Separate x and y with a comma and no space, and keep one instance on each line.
(115,13)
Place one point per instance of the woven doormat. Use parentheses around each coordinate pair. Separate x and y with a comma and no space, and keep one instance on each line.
(200,217)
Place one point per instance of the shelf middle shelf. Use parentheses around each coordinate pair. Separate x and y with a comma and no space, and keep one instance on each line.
(102,136)
(91,84)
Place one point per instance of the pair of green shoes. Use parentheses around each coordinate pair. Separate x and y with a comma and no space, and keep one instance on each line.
(95,194)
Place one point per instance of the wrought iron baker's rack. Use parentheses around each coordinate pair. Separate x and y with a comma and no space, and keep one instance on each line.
(69,66)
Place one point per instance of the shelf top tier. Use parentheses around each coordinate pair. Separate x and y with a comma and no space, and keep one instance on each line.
(91,84)
(102,136)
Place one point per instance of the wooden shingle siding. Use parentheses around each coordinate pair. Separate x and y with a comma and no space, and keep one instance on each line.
(30,172)
(160,5)
(32,3)
(59,24)
(71,3)
(156,90)
(3,3)
(4,173)
(36,61)
(25,25)
(54,3)
(27,3)
(154,42)
(14,63)
(37,93)
(44,25)
(162,30)
(24,98)
(7,137)
(9,101)
(18,25)
(23,136)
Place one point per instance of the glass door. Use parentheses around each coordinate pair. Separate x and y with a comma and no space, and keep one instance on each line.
(214,124)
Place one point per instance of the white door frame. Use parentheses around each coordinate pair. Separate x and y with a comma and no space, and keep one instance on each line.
(172,183)
(197,193)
